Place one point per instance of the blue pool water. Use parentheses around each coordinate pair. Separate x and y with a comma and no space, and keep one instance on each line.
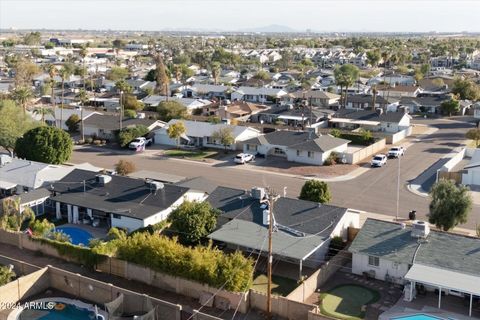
(70,312)
(417,317)
(77,235)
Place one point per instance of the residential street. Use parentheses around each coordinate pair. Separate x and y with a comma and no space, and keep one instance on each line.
(373,191)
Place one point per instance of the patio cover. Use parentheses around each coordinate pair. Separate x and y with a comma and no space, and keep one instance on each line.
(446,279)
(7,185)
(360,122)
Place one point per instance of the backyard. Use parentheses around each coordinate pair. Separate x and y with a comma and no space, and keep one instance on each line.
(191,154)
(347,301)
(280,286)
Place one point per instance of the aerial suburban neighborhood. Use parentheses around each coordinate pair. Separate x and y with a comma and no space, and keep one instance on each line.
(289,160)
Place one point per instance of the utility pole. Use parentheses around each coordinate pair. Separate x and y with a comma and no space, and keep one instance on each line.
(398,188)
(271,198)
(121,110)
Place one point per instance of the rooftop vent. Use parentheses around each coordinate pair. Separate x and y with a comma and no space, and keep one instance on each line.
(103,179)
(155,185)
(420,229)
(258,193)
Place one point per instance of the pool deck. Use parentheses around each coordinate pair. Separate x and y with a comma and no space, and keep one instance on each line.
(97,233)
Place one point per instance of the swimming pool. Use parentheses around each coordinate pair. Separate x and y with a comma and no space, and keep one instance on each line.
(417,317)
(77,235)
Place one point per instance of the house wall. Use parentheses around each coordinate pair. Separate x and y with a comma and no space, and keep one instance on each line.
(351,218)
(397,270)
(471,177)
(161,137)
(103,134)
(318,257)
(126,222)
(340,149)
(316,158)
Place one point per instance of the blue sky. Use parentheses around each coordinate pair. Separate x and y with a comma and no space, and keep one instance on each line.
(232,15)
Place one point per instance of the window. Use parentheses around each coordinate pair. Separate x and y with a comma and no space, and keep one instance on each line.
(373,261)
(298,153)
(310,154)
(117,216)
(25,189)
(248,147)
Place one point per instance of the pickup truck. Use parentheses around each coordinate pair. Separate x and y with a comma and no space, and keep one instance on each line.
(396,152)
(139,142)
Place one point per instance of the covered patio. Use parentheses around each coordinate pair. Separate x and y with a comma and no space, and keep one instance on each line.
(452,283)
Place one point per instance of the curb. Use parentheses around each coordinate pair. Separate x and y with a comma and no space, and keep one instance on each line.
(417,190)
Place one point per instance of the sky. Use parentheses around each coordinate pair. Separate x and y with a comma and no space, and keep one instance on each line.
(235,15)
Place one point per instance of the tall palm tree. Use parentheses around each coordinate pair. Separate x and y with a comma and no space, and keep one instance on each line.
(83,97)
(43,111)
(22,95)
(52,71)
(215,72)
(65,73)
(83,53)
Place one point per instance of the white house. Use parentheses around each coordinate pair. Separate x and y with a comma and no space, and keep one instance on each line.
(476,110)
(296,146)
(61,116)
(199,134)
(391,122)
(189,103)
(471,175)
(254,94)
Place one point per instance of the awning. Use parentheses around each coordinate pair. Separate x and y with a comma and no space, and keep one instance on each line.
(5,185)
(446,279)
(361,122)
(286,117)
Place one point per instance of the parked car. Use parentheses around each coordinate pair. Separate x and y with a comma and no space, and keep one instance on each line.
(139,142)
(379,160)
(396,152)
(243,158)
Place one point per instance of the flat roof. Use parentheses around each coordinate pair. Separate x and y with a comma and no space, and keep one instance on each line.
(364,122)
(443,278)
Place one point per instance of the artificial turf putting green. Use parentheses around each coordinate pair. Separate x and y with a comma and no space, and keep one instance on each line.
(346,301)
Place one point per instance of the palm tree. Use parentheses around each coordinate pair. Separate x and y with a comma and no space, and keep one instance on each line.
(22,95)
(83,97)
(83,53)
(43,111)
(65,73)
(52,71)
(215,72)
(345,76)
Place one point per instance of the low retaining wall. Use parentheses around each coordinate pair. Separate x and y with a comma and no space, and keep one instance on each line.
(357,156)
(399,136)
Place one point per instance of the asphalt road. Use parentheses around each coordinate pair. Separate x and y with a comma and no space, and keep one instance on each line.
(374,191)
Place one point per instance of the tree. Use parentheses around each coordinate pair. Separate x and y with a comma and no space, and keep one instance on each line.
(130,103)
(42,112)
(72,123)
(335,133)
(450,106)
(262,75)
(450,204)
(124,167)
(13,124)
(373,57)
(13,217)
(216,69)
(41,227)
(32,38)
(130,114)
(366,135)
(65,73)
(345,76)
(168,110)
(45,144)
(193,221)
(224,136)
(128,134)
(162,86)
(22,95)
(83,97)
(52,71)
(25,70)
(466,89)
(176,130)
(6,275)
(117,73)
(315,190)
(474,134)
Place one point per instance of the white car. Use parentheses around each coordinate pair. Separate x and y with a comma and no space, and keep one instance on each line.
(243,158)
(379,160)
(396,152)
(139,142)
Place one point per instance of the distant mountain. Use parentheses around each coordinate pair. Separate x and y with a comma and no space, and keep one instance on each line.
(273,28)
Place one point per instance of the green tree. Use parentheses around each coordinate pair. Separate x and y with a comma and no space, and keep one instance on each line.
(176,130)
(52,72)
(163,82)
(22,95)
(315,190)
(130,114)
(32,38)
(474,134)
(216,69)
(345,77)
(466,89)
(45,144)
(12,217)
(128,134)
(124,167)
(335,133)
(449,107)
(367,136)
(117,73)
(373,57)
(13,124)
(72,123)
(224,136)
(130,103)
(450,204)
(193,221)
(42,112)
(25,70)
(40,227)
(262,75)
(6,275)
(168,110)
(65,72)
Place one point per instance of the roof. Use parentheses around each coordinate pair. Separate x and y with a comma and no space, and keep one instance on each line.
(156,175)
(250,235)
(444,278)
(198,183)
(206,129)
(429,101)
(366,98)
(317,94)
(189,103)
(369,115)
(110,122)
(304,216)
(261,91)
(244,108)
(397,88)
(474,161)
(34,195)
(122,195)
(299,140)
(209,88)
(388,240)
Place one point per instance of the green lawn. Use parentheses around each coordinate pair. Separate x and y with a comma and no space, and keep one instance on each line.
(346,301)
(190,154)
(280,286)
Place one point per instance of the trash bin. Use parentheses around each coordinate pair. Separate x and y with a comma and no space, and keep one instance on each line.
(412,215)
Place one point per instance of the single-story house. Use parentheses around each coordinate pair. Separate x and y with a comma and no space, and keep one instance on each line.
(106,126)
(471,172)
(315,98)
(302,229)
(262,95)
(207,91)
(189,103)
(441,262)
(365,101)
(115,201)
(296,146)
(378,120)
(61,116)
(430,104)
(295,117)
(398,91)
(199,134)
(139,85)
(240,110)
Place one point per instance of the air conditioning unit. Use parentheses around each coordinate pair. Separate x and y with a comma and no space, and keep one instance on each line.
(258,193)
(103,179)
(420,229)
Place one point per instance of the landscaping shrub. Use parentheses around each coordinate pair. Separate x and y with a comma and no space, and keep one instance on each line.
(124,167)
(89,140)
(6,275)
(97,142)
